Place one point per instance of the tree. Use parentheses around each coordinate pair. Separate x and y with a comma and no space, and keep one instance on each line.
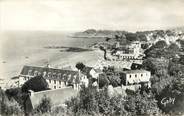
(114,80)
(157,50)
(181,60)
(160,33)
(8,106)
(181,42)
(80,66)
(160,44)
(35,84)
(144,46)
(173,48)
(149,65)
(44,105)
(141,36)
(175,92)
(174,69)
(141,104)
(103,80)
(131,37)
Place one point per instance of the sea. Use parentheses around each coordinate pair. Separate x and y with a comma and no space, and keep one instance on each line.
(19,48)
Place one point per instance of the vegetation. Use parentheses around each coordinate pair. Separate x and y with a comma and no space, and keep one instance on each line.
(35,84)
(166,65)
(9,106)
(80,66)
(112,76)
(100,103)
(20,95)
(165,61)
(44,105)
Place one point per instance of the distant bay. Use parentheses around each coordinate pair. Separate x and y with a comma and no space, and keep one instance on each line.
(19,48)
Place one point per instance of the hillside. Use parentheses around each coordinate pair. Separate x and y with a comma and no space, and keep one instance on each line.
(124,37)
(92,33)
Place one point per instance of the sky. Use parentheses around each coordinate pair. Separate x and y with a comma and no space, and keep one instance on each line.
(75,15)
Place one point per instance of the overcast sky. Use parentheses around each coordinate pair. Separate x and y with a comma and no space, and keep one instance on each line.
(66,15)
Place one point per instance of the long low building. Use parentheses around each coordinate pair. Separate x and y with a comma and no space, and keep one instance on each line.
(56,78)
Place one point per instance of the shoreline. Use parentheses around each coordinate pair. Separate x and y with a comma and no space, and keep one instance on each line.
(69,49)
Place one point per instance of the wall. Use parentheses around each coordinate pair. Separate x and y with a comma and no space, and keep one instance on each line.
(57,96)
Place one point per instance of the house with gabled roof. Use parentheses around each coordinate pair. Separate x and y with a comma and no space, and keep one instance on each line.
(56,78)
(91,73)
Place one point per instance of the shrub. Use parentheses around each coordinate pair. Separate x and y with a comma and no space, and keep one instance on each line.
(93,102)
(45,105)
(36,84)
(9,106)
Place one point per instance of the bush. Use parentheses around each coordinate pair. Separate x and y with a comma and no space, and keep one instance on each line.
(44,106)
(176,92)
(35,84)
(93,102)
(9,106)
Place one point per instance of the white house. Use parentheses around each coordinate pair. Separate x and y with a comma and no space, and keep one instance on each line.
(131,51)
(135,77)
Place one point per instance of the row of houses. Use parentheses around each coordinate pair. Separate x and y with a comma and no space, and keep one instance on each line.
(58,78)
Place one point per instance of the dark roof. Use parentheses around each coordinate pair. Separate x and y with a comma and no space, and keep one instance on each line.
(51,73)
(136,66)
(135,71)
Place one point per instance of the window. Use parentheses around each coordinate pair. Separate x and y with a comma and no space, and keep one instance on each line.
(54,87)
(54,81)
(49,81)
(141,75)
(130,76)
(135,75)
(60,82)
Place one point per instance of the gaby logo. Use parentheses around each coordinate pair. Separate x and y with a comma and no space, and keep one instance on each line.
(167,100)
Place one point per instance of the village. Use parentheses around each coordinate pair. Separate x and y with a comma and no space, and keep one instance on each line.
(91,58)
(59,78)
(125,64)
(123,69)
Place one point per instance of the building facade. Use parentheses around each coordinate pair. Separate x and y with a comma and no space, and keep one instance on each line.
(131,51)
(135,77)
(56,78)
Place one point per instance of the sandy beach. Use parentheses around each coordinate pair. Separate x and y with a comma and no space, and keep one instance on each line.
(19,49)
